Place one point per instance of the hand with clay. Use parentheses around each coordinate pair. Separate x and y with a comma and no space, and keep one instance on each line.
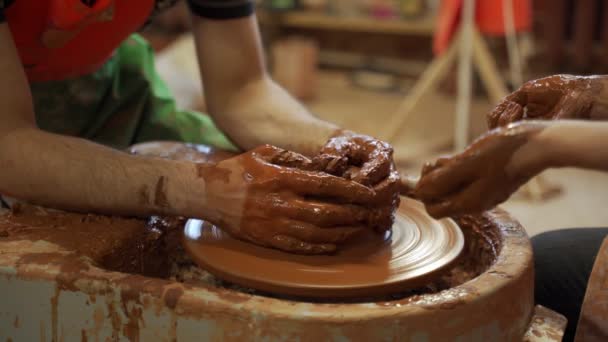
(361,158)
(365,160)
(485,174)
(554,97)
(289,207)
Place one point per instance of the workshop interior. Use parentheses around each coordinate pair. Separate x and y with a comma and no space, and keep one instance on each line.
(303,170)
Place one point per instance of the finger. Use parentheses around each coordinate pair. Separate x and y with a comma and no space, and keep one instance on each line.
(383,218)
(325,185)
(511,112)
(304,231)
(330,163)
(266,152)
(430,166)
(504,113)
(376,168)
(449,178)
(542,101)
(517,97)
(278,156)
(262,230)
(314,234)
(469,200)
(574,105)
(293,160)
(293,245)
(407,184)
(318,213)
(387,191)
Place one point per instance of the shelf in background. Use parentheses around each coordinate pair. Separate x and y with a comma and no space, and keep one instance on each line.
(424,25)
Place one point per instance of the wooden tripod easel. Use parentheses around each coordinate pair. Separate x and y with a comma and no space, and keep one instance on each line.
(469,49)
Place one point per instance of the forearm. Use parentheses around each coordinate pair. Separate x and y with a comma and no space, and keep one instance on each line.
(264,113)
(74,174)
(245,103)
(573,143)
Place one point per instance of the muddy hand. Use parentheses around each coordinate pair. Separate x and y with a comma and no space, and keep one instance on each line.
(553,97)
(291,209)
(386,198)
(484,175)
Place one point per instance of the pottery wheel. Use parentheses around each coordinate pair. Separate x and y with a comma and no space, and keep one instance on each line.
(416,250)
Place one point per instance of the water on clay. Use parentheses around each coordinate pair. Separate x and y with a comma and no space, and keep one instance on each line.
(153,248)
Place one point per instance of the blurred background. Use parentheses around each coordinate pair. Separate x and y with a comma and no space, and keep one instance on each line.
(421,74)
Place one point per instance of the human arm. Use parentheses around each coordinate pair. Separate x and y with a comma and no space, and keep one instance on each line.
(67,172)
(253,110)
(240,95)
(491,169)
(74,174)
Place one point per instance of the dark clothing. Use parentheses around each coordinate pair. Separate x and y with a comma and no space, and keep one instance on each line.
(222,9)
(563,261)
(4,4)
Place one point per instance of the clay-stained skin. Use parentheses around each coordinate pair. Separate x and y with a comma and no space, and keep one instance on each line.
(290,208)
(553,97)
(478,178)
(282,199)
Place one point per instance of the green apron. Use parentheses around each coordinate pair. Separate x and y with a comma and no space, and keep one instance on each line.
(123,103)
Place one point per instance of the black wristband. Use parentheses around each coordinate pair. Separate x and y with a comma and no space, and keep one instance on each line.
(4,4)
(221,9)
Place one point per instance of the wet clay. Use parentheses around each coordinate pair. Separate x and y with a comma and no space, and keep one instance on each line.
(117,243)
(357,157)
(553,97)
(415,251)
(484,175)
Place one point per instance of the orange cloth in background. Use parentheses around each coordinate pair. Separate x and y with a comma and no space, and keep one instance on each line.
(488,18)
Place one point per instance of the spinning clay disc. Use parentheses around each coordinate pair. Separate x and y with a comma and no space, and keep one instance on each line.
(410,255)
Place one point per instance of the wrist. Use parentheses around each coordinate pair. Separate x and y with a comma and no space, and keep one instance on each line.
(181,192)
(598,86)
(558,143)
(535,154)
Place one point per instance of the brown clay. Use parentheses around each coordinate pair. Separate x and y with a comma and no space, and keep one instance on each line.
(358,157)
(119,243)
(553,97)
(370,264)
(480,177)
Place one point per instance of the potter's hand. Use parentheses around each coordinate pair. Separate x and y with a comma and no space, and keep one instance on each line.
(361,158)
(288,208)
(485,174)
(553,97)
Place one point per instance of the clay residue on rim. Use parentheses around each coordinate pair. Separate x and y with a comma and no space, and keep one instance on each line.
(154,248)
